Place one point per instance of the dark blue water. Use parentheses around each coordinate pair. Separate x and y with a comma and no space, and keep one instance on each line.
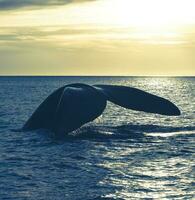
(122,155)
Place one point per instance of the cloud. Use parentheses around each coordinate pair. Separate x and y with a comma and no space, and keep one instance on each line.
(101,38)
(15,4)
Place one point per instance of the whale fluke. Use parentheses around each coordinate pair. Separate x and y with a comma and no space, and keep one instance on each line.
(135,99)
(67,109)
(73,105)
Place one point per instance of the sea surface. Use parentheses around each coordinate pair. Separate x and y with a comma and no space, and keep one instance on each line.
(124,154)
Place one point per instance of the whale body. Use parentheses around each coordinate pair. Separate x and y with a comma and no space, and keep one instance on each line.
(73,105)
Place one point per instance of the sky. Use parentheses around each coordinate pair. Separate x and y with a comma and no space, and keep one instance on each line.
(97,37)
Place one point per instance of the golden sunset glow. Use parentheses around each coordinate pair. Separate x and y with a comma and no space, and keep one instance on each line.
(102,37)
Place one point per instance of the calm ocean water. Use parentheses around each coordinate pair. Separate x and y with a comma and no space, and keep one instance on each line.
(122,155)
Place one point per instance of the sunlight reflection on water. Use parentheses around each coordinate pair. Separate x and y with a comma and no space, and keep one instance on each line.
(122,155)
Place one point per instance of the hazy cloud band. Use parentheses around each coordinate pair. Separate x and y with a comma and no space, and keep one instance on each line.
(14,4)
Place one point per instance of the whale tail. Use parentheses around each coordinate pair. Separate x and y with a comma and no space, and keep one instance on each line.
(71,106)
(139,100)
(44,115)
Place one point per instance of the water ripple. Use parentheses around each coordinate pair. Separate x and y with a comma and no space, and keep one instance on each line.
(123,155)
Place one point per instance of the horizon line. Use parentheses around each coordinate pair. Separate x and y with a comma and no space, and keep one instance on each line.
(39,75)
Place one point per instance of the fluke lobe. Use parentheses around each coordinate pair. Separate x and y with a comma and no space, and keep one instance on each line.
(71,106)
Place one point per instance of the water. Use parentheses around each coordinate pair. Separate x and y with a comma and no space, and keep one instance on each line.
(123,155)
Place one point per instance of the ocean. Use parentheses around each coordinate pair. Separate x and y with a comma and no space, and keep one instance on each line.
(124,154)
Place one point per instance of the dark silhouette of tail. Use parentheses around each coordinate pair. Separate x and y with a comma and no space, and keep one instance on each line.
(139,100)
(74,105)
